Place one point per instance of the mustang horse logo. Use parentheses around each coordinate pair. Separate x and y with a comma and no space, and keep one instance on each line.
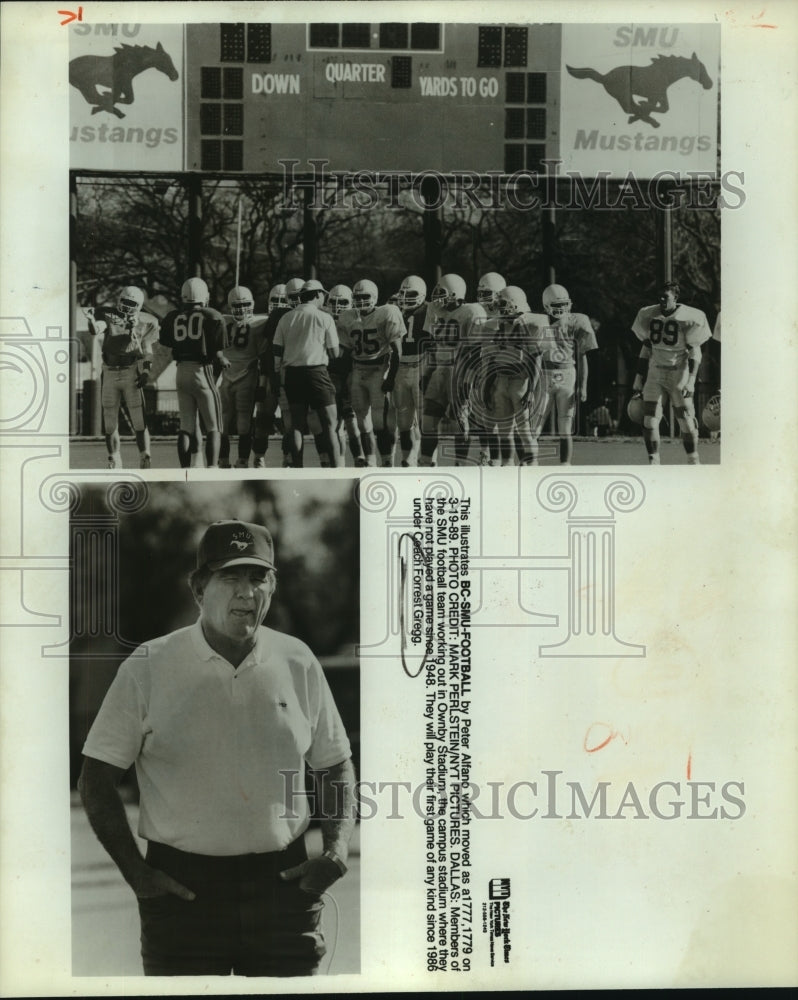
(649,83)
(106,81)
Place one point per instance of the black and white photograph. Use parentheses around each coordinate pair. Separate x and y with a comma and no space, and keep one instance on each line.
(516,261)
(214,729)
(353,638)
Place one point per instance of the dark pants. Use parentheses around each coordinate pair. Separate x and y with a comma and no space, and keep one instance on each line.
(244,920)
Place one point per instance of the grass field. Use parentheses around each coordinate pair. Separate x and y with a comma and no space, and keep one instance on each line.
(90,453)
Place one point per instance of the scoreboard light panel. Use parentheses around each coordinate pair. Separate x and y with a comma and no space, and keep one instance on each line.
(374,97)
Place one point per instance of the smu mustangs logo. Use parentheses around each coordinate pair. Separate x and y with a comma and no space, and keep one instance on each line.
(649,83)
(106,81)
(241,540)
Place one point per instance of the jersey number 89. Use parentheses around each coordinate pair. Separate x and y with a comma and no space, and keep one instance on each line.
(666,333)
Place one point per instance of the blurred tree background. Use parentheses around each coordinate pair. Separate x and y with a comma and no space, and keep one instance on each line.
(135,230)
(146,593)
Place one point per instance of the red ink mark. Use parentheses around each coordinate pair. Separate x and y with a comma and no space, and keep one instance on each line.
(591,746)
(689,765)
(71,16)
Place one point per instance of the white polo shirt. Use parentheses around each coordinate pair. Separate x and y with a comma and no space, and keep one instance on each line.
(209,741)
(305,333)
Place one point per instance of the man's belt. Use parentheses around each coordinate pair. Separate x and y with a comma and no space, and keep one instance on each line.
(559,365)
(118,368)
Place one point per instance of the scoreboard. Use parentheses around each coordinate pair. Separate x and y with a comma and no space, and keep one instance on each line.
(372,96)
(399,97)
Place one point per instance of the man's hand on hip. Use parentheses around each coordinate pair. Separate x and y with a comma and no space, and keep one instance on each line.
(150,882)
(315,875)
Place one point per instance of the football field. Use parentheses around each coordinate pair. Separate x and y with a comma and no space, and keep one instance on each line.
(87,453)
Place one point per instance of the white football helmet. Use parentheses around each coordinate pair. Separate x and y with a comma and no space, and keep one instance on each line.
(292,289)
(195,293)
(339,299)
(364,295)
(130,301)
(511,301)
(412,292)
(277,298)
(241,303)
(711,414)
(635,409)
(450,291)
(488,288)
(556,301)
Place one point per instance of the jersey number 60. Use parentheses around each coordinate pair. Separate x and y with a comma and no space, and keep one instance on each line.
(188,326)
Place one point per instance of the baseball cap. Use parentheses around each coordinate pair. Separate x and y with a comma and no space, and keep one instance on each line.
(235,543)
(313,286)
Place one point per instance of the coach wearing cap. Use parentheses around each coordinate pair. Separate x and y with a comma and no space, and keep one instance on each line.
(215,716)
(304,342)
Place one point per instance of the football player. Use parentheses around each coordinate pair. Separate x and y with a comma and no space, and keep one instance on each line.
(713,349)
(269,393)
(512,360)
(455,327)
(196,335)
(245,343)
(374,334)
(671,334)
(411,299)
(484,422)
(339,300)
(127,356)
(564,338)
(277,298)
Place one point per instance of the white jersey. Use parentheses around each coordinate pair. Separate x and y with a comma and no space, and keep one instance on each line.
(244,343)
(370,338)
(671,336)
(450,330)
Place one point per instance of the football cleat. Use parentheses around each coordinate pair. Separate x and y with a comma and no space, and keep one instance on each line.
(710,417)
(195,293)
(292,289)
(635,409)
(115,461)
(145,462)
(277,298)
(364,296)
(556,301)
(241,463)
(450,292)
(412,292)
(339,299)
(241,303)
(130,301)
(511,301)
(488,288)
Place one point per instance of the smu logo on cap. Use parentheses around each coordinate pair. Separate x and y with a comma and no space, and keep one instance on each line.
(242,540)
